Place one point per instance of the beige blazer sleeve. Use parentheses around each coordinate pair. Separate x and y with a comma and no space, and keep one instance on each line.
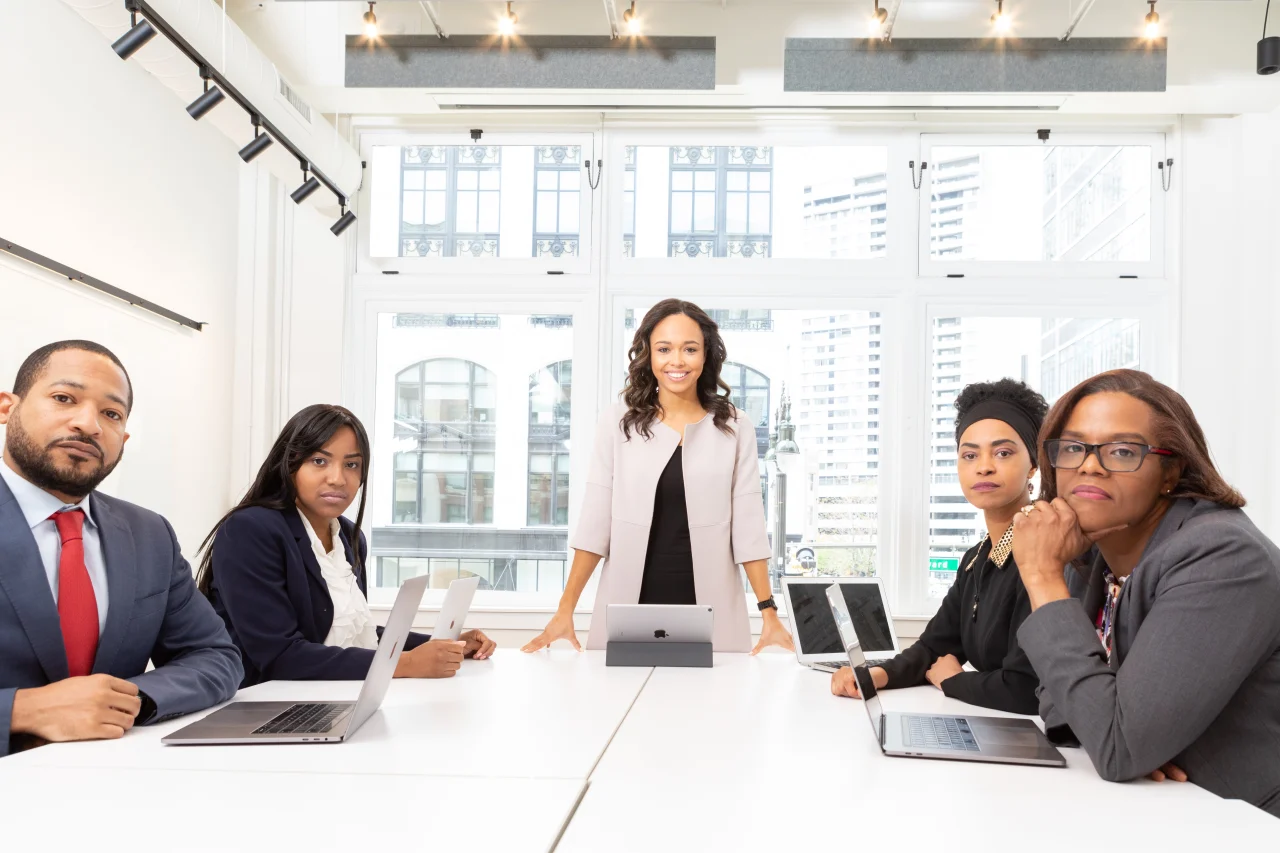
(748,537)
(594,521)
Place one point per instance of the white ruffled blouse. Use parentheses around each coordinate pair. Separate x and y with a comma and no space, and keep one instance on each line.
(353,626)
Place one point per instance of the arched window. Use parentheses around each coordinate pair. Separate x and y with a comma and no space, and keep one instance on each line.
(549,396)
(448,406)
(749,391)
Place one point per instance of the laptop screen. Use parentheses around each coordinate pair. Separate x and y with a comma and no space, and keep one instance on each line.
(816,630)
(866,685)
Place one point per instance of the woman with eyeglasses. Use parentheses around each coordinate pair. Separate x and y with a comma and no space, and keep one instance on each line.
(1172,668)
(996,428)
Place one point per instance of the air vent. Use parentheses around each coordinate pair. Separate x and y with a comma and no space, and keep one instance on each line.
(294,100)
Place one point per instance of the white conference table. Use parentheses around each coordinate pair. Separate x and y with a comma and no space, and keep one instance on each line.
(544,716)
(757,755)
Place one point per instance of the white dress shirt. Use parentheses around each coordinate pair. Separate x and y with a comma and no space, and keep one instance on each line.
(353,626)
(37,506)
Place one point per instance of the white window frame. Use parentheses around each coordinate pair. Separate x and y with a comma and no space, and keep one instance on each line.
(1152,268)
(572,265)
(372,295)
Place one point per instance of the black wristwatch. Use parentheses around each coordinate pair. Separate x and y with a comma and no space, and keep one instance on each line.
(767,604)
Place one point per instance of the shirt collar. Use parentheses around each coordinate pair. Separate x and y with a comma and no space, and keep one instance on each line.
(37,504)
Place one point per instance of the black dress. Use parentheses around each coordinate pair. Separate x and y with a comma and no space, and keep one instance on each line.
(668,562)
(984,634)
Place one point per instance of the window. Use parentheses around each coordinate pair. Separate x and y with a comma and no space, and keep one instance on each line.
(470,441)
(556,202)
(1051,355)
(450,200)
(755,202)
(549,407)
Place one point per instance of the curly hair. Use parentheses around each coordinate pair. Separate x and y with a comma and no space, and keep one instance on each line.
(1009,390)
(640,392)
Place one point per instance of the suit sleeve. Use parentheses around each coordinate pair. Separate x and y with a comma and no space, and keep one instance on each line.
(940,637)
(6,718)
(748,528)
(196,664)
(414,640)
(1211,621)
(249,570)
(1012,687)
(596,517)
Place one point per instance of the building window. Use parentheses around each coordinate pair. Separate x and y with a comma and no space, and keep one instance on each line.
(557,172)
(448,407)
(629,204)
(450,200)
(720,202)
(549,396)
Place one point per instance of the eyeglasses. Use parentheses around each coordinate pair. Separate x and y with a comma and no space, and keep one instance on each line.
(1118,457)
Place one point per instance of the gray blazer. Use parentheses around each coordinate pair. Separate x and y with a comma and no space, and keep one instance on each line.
(155,614)
(1195,670)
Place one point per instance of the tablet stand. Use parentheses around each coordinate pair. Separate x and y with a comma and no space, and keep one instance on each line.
(657,654)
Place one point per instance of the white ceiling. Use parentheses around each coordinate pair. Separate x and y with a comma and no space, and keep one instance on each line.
(1211,49)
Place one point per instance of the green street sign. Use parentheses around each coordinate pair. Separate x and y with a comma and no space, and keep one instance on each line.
(944,564)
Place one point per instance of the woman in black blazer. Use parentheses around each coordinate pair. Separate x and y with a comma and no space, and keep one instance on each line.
(281,571)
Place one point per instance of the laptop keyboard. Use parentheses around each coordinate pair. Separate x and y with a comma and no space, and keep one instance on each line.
(308,718)
(939,733)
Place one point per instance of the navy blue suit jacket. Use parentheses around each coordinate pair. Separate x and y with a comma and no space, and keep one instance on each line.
(155,614)
(268,589)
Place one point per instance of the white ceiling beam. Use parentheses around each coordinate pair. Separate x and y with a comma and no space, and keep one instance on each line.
(430,9)
(1085,6)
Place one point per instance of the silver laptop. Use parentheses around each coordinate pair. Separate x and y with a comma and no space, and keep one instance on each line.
(312,722)
(454,610)
(656,623)
(817,641)
(965,738)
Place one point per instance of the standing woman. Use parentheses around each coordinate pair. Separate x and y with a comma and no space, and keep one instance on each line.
(286,571)
(996,428)
(673,501)
(1172,667)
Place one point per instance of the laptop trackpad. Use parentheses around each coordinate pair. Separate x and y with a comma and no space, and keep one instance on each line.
(1023,734)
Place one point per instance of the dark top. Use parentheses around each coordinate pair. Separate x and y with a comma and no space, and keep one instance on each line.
(1005,679)
(668,561)
(1194,675)
(268,589)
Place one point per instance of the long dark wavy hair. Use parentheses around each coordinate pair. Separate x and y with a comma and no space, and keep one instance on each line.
(641,390)
(304,434)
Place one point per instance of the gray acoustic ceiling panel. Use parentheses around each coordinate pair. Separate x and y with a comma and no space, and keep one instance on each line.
(974,65)
(531,62)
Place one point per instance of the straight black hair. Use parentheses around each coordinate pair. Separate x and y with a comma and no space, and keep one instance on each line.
(304,434)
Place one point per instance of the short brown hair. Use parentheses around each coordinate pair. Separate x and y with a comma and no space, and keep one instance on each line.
(1176,429)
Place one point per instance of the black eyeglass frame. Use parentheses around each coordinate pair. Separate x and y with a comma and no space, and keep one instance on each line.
(1052,446)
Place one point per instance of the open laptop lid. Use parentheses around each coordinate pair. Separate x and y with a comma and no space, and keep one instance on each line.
(388,653)
(454,610)
(814,629)
(866,685)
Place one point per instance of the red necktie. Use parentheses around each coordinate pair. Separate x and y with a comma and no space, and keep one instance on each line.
(77,605)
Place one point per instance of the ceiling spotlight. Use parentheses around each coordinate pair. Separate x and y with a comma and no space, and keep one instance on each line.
(344,221)
(309,185)
(876,23)
(507,21)
(1000,20)
(630,19)
(260,142)
(370,23)
(211,98)
(1268,48)
(139,34)
(1152,29)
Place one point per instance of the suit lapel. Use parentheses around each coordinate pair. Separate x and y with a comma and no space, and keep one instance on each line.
(121,558)
(25,583)
(293,519)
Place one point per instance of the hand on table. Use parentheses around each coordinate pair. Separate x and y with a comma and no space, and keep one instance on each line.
(1169,771)
(434,659)
(559,628)
(942,669)
(844,684)
(90,707)
(478,645)
(772,633)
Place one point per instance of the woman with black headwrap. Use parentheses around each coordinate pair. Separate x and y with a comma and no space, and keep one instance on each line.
(997,424)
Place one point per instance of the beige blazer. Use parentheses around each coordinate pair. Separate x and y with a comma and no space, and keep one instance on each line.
(726,516)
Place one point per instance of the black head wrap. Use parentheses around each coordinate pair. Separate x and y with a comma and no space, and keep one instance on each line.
(1026,426)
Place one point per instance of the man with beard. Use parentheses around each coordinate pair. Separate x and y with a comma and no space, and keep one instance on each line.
(91,587)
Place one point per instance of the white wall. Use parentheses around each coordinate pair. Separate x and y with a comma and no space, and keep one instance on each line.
(101,169)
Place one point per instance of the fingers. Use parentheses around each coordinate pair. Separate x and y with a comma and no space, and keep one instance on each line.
(119,685)
(537,643)
(130,705)
(486,646)
(118,719)
(759,646)
(107,731)
(1174,772)
(573,638)
(1156,776)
